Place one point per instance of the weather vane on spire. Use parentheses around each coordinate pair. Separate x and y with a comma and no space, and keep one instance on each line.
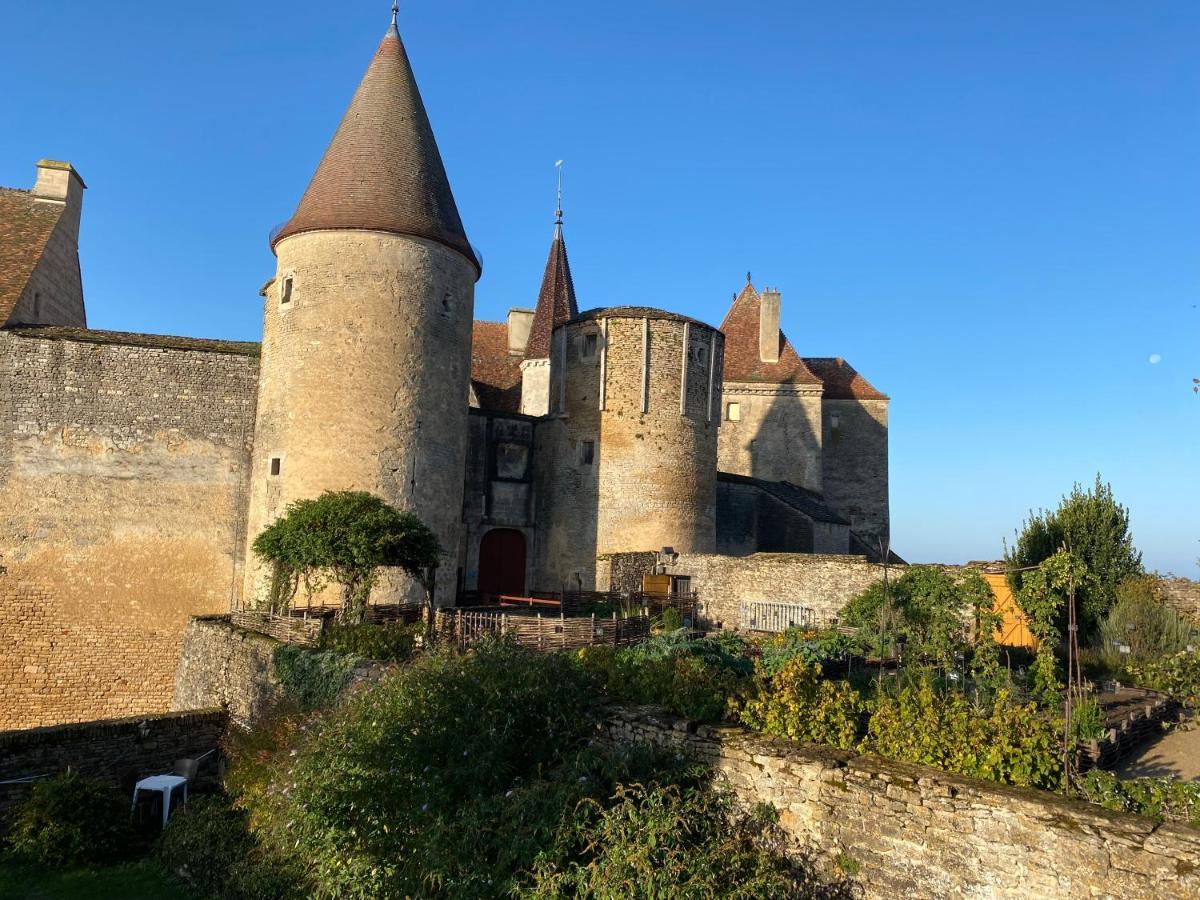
(558,164)
(395,11)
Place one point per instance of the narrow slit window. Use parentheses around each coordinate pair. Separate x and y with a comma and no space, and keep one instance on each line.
(587,452)
(589,345)
(285,292)
(733,412)
(276,465)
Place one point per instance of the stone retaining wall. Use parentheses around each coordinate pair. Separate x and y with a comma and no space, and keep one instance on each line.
(117,750)
(920,832)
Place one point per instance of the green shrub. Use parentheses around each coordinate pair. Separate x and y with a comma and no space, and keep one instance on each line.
(797,703)
(825,649)
(404,789)
(1177,675)
(209,845)
(655,841)
(71,821)
(1141,621)
(1010,743)
(1157,798)
(1087,720)
(387,642)
(671,620)
(312,678)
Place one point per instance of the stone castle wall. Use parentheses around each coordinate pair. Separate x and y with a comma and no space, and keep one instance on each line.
(854,458)
(123,461)
(119,751)
(823,583)
(221,665)
(1182,595)
(365,383)
(912,831)
(777,435)
(646,400)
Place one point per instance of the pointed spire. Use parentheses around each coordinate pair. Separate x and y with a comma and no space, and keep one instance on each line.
(382,171)
(556,299)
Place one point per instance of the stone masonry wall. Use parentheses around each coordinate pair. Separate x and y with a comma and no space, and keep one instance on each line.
(777,435)
(220,665)
(119,751)
(123,461)
(823,583)
(854,459)
(921,832)
(1183,595)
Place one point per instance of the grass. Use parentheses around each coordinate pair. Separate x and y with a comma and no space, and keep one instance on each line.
(143,880)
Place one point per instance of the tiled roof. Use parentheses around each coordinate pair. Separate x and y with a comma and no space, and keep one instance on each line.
(635,312)
(556,299)
(133,339)
(810,503)
(382,170)
(25,227)
(861,546)
(742,359)
(841,380)
(495,373)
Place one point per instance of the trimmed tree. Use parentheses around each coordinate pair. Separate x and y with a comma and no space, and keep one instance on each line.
(345,537)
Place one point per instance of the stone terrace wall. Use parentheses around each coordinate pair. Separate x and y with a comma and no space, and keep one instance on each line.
(920,832)
(123,466)
(824,583)
(221,665)
(117,750)
(1182,594)
(623,571)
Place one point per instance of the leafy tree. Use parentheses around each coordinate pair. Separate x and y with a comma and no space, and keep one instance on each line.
(1094,527)
(346,537)
(1043,596)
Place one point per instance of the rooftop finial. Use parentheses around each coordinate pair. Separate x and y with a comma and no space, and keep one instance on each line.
(558,209)
(748,280)
(395,11)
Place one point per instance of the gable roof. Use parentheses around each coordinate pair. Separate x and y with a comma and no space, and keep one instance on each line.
(841,380)
(742,359)
(495,373)
(382,170)
(25,226)
(556,300)
(810,503)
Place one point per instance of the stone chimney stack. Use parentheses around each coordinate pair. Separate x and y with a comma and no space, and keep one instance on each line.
(58,182)
(519,322)
(768,325)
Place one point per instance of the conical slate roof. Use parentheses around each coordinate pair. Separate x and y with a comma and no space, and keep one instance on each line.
(556,300)
(382,170)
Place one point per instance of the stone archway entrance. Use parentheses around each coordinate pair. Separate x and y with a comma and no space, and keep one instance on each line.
(502,562)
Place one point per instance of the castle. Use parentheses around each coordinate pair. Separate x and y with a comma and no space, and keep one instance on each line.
(135,470)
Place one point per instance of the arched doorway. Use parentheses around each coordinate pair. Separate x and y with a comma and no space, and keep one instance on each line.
(502,562)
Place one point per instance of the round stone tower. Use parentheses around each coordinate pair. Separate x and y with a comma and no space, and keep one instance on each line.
(631,445)
(366,348)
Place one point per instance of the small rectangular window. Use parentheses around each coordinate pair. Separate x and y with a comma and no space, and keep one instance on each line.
(276,464)
(589,345)
(285,292)
(733,412)
(587,452)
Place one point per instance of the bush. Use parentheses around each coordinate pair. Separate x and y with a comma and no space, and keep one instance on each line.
(1011,743)
(668,841)
(389,642)
(1177,675)
(672,620)
(1141,621)
(71,821)
(1156,798)
(312,678)
(209,845)
(825,649)
(797,703)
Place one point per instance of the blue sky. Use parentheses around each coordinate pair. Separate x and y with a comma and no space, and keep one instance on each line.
(991,210)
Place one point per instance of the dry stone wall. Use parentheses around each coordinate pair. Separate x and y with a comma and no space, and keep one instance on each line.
(123,463)
(919,832)
(221,665)
(1183,595)
(119,751)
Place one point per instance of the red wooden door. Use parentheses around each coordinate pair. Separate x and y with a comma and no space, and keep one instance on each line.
(502,562)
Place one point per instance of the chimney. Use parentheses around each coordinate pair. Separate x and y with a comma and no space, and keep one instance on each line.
(768,325)
(519,323)
(58,182)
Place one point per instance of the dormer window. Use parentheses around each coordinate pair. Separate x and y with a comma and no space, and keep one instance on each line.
(285,291)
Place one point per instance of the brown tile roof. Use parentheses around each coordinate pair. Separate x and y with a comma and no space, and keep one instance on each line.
(841,380)
(636,312)
(742,360)
(382,170)
(495,373)
(25,227)
(556,299)
(132,339)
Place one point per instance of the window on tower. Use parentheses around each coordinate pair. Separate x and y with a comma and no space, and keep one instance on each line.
(276,465)
(285,291)
(589,345)
(733,412)
(587,452)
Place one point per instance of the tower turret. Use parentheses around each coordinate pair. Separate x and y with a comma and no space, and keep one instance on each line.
(367,325)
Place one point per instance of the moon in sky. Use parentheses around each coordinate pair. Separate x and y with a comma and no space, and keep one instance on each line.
(1155,358)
